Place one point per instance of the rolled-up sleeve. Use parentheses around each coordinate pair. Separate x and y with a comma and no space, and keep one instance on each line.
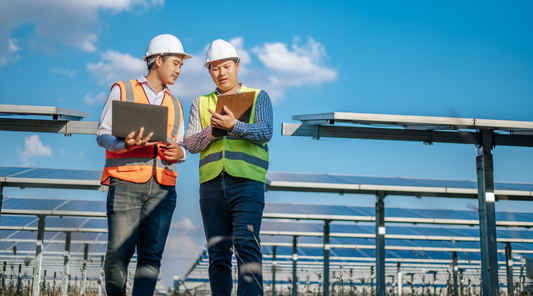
(197,139)
(104,136)
(262,128)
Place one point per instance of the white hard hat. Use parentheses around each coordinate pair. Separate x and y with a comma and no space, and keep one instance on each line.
(165,44)
(220,50)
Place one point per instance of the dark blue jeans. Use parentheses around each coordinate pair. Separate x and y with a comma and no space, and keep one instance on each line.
(138,215)
(232,209)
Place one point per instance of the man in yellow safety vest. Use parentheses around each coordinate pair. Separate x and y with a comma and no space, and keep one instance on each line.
(232,174)
(141,174)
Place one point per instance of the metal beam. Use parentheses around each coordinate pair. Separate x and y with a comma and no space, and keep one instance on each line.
(1,195)
(84,270)
(294,270)
(509,268)
(487,215)
(49,126)
(326,257)
(55,112)
(38,257)
(4,276)
(423,136)
(101,276)
(66,263)
(455,268)
(399,279)
(274,266)
(416,121)
(380,244)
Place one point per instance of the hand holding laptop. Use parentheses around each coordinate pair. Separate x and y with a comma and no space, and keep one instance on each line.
(138,142)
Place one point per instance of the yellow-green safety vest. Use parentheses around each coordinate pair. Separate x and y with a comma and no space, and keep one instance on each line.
(233,155)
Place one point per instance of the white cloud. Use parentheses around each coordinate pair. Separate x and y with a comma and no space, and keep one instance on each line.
(64,22)
(185,224)
(116,66)
(13,46)
(32,148)
(181,246)
(238,43)
(64,71)
(278,69)
(99,99)
(296,67)
(11,52)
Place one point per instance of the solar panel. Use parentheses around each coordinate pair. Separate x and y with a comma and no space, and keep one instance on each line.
(10,171)
(37,204)
(50,178)
(53,223)
(86,205)
(60,207)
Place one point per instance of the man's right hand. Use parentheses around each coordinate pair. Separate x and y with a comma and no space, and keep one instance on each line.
(138,142)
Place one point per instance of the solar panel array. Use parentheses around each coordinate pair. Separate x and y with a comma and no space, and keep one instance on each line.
(392,185)
(418,249)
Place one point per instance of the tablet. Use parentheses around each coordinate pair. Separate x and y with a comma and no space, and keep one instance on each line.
(129,117)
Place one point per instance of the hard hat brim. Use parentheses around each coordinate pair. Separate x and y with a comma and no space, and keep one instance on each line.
(185,55)
(236,59)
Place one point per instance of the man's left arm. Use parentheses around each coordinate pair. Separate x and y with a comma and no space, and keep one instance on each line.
(260,131)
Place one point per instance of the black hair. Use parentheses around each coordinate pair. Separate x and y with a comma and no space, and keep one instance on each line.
(164,57)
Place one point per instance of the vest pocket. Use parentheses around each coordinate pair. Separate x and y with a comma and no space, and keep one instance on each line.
(129,168)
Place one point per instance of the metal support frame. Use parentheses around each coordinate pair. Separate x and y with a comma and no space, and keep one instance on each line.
(48,126)
(294,262)
(1,195)
(66,263)
(326,257)
(399,278)
(380,244)
(84,270)
(522,278)
(19,281)
(487,215)
(435,283)
(412,274)
(400,283)
(38,257)
(424,136)
(372,280)
(4,276)
(461,284)
(509,268)
(274,267)
(101,277)
(455,268)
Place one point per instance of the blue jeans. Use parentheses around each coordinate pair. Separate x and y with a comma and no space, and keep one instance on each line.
(138,215)
(232,209)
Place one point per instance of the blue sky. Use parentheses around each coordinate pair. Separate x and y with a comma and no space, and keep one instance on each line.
(464,59)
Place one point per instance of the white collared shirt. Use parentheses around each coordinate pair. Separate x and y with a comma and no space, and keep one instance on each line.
(104,135)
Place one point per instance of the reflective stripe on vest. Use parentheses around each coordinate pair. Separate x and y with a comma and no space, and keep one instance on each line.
(138,165)
(237,157)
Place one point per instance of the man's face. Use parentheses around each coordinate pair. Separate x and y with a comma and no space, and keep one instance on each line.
(169,69)
(224,75)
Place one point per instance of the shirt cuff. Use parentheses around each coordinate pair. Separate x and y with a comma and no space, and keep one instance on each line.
(238,128)
(184,155)
(121,146)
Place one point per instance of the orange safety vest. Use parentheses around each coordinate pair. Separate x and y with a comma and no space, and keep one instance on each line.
(140,164)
